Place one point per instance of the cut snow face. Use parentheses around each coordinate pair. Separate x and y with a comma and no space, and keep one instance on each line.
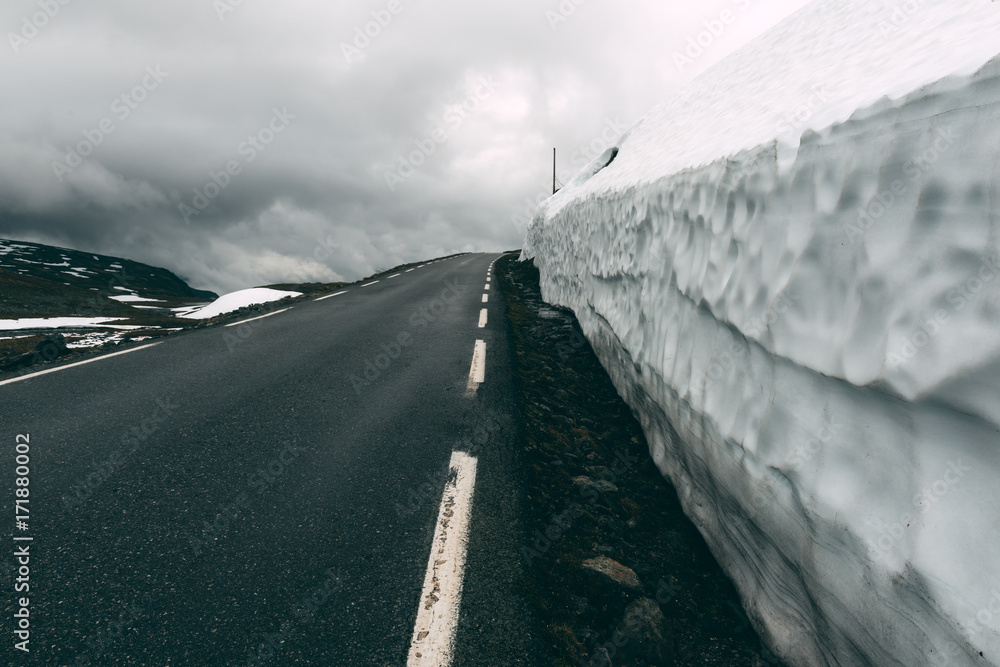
(792,269)
(236,300)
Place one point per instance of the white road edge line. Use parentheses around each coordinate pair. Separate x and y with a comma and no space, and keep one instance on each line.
(433,640)
(330,296)
(370,284)
(79,363)
(486,298)
(477,373)
(482,318)
(259,317)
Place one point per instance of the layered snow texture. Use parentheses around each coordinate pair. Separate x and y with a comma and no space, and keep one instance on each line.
(791,271)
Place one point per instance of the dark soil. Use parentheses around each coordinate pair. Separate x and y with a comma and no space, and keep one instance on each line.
(594,491)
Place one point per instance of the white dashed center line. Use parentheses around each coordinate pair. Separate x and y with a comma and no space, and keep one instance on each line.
(433,641)
(487,287)
(482,318)
(79,363)
(370,284)
(477,373)
(259,317)
(408,270)
(330,296)
(486,298)
(395,276)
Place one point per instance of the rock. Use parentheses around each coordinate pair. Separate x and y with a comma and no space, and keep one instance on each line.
(600,485)
(600,658)
(52,347)
(614,571)
(642,635)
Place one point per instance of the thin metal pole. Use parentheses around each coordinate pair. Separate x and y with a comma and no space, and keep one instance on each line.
(553,171)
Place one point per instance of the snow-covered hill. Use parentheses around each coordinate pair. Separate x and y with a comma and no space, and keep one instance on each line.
(790,272)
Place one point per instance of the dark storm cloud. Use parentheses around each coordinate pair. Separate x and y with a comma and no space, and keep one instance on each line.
(241,143)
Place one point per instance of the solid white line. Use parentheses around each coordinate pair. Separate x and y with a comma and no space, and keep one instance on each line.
(330,296)
(395,276)
(477,372)
(370,284)
(259,317)
(79,363)
(486,298)
(433,640)
(482,318)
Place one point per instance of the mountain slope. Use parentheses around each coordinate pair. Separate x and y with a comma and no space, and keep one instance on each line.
(112,276)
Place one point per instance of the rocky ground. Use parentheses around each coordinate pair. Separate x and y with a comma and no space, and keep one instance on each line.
(618,573)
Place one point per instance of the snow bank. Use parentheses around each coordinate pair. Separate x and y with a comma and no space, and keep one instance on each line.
(236,300)
(54,322)
(790,271)
(128,298)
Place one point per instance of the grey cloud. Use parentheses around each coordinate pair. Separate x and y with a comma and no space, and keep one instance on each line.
(314,203)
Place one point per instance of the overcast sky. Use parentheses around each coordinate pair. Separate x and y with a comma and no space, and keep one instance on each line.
(244,142)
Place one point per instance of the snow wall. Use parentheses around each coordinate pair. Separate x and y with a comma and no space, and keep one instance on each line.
(791,272)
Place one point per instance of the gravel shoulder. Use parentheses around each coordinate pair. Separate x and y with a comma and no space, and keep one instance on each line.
(615,570)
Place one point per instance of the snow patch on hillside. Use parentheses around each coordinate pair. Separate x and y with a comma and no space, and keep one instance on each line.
(236,300)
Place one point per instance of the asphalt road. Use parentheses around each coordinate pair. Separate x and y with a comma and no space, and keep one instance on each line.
(267,493)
